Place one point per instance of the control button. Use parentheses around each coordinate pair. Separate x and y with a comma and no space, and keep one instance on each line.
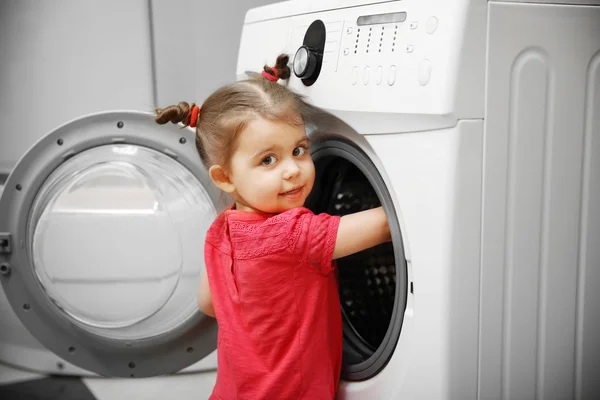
(346,51)
(410,48)
(414,25)
(354,75)
(349,30)
(424,72)
(366,75)
(379,75)
(305,63)
(432,24)
(392,75)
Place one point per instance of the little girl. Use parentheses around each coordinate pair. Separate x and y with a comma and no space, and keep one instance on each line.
(269,261)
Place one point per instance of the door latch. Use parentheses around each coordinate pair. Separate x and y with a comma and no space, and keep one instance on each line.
(5,243)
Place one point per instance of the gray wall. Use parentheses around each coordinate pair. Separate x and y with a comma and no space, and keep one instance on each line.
(65,58)
(196,45)
(62,59)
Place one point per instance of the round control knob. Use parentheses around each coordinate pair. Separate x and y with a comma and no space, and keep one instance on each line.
(305,62)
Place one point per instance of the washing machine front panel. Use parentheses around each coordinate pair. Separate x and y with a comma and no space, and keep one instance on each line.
(102,230)
(436,353)
(434,187)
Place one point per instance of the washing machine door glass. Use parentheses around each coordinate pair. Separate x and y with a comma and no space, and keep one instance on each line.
(103,224)
(116,219)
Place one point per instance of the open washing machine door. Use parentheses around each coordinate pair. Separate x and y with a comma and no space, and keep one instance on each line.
(102,225)
(373,284)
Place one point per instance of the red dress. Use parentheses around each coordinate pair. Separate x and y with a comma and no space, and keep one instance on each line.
(277,305)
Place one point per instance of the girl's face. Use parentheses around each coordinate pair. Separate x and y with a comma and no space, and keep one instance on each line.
(271,169)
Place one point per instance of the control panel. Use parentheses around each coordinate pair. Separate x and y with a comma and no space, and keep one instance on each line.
(397,57)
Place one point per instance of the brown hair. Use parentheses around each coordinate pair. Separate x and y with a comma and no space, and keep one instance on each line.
(226,112)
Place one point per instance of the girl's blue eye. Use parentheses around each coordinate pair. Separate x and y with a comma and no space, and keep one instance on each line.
(268,160)
(300,150)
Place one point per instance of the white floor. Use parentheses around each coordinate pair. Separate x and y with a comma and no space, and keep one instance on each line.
(196,386)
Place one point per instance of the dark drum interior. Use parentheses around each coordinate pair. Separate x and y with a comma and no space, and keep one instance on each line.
(367,280)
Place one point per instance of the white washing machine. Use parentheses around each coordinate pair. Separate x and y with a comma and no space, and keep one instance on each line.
(475,124)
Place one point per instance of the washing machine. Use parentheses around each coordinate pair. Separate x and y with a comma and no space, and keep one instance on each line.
(474,124)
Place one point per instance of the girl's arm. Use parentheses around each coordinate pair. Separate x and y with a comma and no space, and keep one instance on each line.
(360,231)
(204,298)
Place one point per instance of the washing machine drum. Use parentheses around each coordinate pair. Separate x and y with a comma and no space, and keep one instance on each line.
(372,283)
(102,226)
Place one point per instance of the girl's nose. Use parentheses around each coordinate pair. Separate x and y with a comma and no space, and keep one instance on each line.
(291,170)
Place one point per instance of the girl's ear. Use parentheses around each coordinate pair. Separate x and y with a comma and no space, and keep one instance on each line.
(220,178)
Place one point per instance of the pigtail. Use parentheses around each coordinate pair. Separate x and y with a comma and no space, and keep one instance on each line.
(175,114)
(279,71)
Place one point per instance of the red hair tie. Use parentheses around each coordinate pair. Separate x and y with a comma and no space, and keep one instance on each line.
(272,77)
(194,117)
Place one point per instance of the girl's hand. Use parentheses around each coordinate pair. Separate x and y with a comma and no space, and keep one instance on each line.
(360,231)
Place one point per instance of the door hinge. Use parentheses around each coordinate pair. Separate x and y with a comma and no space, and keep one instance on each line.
(5,243)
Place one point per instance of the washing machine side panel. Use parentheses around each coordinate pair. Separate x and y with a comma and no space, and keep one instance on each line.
(436,179)
(541,241)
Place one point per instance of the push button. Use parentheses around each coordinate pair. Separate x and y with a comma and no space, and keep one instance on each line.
(379,75)
(366,75)
(392,75)
(424,72)
(432,24)
(354,75)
